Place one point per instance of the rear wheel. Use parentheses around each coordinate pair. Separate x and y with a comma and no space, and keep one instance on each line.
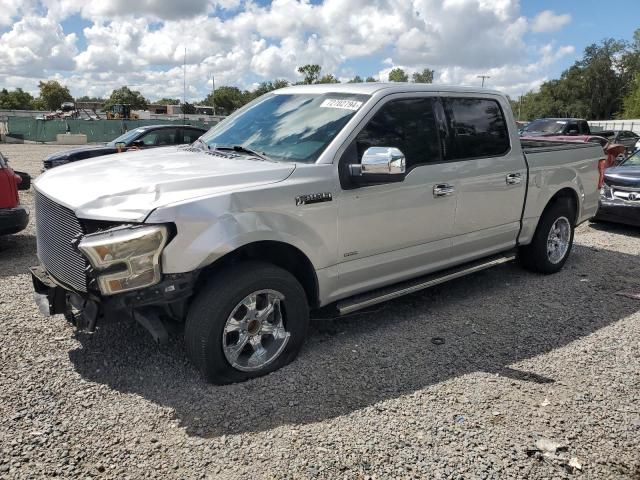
(249,320)
(552,241)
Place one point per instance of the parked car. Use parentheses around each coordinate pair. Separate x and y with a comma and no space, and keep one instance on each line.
(622,137)
(615,153)
(333,197)
(13,216)
(620,194)
(556,126)
(139,138)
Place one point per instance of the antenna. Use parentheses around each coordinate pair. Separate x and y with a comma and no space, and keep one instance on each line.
(184,84)
(213,92)
(483,77)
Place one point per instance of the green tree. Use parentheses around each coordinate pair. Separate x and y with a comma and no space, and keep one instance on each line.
(370,79)
(266,87)
(52,94)
(328,78)
(632,101)
(187,108)
(86,98)
(227,99)
(16,99)
(426,76)
(356,79)
(398,75)
(311,73)
(167,101)
(124,95)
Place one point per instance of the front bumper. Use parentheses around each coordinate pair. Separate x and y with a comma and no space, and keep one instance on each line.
(619,211)
(13,220)
(168,298)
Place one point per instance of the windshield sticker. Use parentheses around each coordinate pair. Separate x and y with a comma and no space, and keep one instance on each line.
(344,104)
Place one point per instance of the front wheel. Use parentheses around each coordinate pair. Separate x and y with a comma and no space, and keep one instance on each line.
(552,241)
(249,320)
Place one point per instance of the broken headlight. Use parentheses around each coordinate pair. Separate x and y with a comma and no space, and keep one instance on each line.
(125,258)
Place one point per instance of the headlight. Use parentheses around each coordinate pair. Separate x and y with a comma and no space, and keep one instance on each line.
(126,258)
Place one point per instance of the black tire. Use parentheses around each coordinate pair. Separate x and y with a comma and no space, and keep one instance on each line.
(534,256)
(218,298)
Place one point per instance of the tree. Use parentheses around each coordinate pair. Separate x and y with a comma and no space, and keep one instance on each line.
(356,79)
(398,75)
(227,99)
(426,76)
(266,87)
(370,79)
(124,95)
(311,73)
(53,95)
(329,78)
(187,108)
(16,99)
(167,101)
(632,101)
(86,98)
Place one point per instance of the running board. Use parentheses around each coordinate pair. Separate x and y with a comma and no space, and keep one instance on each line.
(384,294)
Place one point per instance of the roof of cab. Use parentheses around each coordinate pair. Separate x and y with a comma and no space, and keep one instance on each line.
(374,87)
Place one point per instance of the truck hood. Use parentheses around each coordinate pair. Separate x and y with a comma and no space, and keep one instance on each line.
(129,186)
(75,152)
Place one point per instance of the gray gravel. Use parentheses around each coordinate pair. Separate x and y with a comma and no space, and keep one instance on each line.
(538,375)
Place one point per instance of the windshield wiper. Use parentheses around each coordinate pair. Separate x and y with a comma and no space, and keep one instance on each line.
(243,149)
(206,145)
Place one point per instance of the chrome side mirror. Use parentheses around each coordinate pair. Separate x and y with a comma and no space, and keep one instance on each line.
(380,164)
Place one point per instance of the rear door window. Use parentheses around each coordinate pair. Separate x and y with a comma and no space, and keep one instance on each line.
(165,136)
(190,135)
(478,128)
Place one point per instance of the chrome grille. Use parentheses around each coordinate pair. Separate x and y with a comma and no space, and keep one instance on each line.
(56,227)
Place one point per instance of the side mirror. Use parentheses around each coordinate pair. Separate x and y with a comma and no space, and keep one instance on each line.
(25,180)
(379,165)
(573,131)
(137,143)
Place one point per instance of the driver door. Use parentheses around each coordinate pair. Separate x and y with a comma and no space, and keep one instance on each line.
(388,232)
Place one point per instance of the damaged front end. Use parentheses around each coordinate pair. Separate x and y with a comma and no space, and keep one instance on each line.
(90,272)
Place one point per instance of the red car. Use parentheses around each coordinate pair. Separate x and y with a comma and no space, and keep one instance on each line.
(13,216)
(613,150)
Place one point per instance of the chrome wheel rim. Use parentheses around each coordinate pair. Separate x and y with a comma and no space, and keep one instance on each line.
(254,334)
(558,240)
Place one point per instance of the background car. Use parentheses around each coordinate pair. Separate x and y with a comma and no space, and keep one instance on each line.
(622,137)
(620,195)
(13,216)
(614,152)
(141,137)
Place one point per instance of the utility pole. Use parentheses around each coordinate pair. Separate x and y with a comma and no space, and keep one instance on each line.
(213,92)
(184,84)
(483,77)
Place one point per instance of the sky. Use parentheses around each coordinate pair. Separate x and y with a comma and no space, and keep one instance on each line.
(94,46)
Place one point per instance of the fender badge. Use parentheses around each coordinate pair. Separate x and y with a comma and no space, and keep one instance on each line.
(313,198)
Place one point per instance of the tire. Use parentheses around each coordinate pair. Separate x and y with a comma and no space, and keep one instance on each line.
(536,256)
(218,322)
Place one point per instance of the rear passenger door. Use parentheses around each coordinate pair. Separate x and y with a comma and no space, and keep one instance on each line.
(490,177)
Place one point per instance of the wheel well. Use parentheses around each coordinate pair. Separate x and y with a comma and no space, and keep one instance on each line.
(281,254)
(568,195)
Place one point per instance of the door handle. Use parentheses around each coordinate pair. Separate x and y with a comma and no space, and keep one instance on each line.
(514,178)
(443,190)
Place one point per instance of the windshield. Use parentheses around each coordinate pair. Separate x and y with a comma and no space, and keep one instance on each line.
(633,160)
(545,126)
(287,127)
(126,137)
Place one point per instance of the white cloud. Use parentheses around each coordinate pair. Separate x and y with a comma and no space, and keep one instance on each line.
(548,21)
(142,43)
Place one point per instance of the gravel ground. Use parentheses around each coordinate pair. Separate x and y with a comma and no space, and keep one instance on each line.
(527,361)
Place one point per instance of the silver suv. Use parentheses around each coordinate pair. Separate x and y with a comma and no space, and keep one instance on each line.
(330,197)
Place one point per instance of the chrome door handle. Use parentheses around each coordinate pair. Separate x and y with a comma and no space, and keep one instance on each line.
(443,190)
(514,178)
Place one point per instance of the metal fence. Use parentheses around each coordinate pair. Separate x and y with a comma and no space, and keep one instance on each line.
(633,125)
(35,130)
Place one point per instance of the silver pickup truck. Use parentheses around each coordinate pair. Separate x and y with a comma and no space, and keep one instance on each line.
(310,198)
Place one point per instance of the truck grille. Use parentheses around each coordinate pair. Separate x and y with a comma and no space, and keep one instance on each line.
(56,227)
